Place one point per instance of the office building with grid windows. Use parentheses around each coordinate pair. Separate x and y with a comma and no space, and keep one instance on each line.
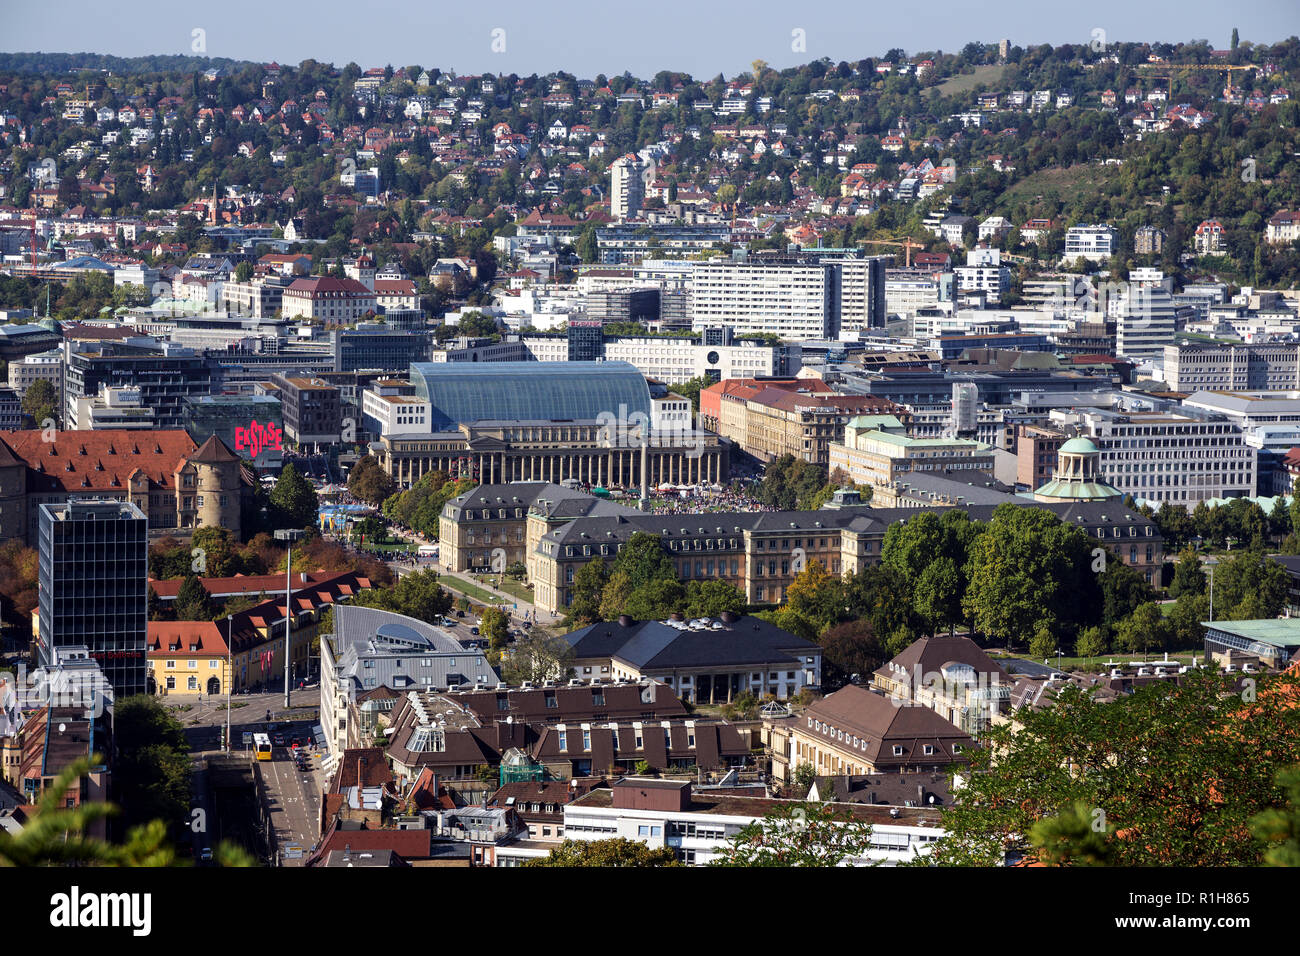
(94,578)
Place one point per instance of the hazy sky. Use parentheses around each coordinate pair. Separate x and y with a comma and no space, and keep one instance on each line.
(587,37)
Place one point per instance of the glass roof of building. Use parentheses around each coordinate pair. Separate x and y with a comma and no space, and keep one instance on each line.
(462,392)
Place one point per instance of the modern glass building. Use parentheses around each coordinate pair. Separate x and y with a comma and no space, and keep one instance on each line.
(252,426)
(94,580)
(463,392)
(379,348)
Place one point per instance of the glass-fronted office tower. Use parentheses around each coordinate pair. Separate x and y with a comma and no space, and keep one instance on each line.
(94,585)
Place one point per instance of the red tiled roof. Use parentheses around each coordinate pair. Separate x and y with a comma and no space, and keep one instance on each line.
(163,635)
(80,461)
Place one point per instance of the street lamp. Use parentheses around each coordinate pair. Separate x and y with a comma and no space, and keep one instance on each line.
(288,535)
(230,674)
(1210,561)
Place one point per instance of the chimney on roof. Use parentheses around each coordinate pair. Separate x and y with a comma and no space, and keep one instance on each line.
(625,620)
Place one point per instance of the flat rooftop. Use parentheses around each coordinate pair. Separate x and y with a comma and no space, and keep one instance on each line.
(1279,632)
(734,806)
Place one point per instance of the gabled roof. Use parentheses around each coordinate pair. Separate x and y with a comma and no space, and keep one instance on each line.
(929,654)
(213,451)
(654,645)
(190,638)
(81,461)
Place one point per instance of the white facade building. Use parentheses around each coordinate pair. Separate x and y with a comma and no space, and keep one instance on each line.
(677,360)
(1094,243)
(1157,457)
(1145,322)
(697,836)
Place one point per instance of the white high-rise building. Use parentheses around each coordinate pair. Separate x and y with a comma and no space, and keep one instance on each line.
(627,186)
(1145,322)
(793,299)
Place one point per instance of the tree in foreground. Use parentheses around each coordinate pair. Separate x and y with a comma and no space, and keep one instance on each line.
(617,852)
(1171,775)
(55,835)
(799,834)
(1279,829)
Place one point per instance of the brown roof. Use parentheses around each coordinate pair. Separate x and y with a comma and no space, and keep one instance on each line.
(244,584)
(199,638)
(881,724)
(621,702)
(408,844)
(246,625)
(363,766)
(77,461)
(81,332)
(927,656)
(213,451)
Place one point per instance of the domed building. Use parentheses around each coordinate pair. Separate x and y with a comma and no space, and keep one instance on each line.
(1077,476)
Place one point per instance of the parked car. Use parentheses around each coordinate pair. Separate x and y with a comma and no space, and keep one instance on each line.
(205,855)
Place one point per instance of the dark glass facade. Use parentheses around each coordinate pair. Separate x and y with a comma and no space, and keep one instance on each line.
(252,426)
(94,579)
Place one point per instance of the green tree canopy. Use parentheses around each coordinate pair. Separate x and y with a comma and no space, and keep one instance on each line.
(369,482)
(293,500)
(619,852)
(1160,771)
(799,834)
(1028,565)
(41,402)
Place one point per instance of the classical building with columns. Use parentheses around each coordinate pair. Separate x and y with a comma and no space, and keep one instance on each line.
(591,452)
(592,422)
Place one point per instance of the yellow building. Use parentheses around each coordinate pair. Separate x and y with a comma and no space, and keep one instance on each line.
(187,658)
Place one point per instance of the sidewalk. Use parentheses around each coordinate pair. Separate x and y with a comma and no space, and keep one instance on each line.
(523,607)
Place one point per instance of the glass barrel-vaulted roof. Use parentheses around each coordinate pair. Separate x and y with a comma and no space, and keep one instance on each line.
(461,392)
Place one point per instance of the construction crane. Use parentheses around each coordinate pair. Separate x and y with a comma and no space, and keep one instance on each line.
(907,244)
(1166,71)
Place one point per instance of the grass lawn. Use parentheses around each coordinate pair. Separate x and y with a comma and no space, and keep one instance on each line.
(389,546)
(1097,664)
(965,82)
(511,586)
(469,590)
(1057,183)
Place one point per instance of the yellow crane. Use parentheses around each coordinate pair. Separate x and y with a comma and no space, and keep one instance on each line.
(907,244)
(1166,71)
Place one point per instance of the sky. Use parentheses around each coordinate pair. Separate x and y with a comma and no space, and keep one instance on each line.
(586,37)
